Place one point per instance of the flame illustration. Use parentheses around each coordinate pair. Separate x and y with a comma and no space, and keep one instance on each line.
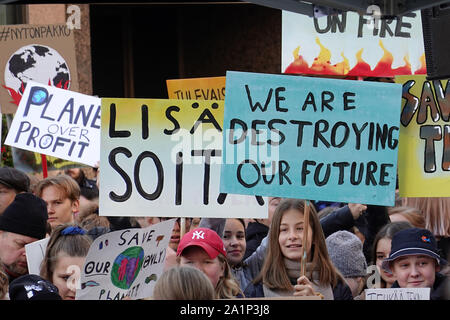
(322,65)
(16,95)
(59,84)
(423,68)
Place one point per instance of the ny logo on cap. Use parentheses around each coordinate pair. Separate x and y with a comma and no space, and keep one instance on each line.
(198,235)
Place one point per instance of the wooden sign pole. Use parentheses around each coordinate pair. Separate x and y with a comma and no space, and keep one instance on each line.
(305,239)
(182,227)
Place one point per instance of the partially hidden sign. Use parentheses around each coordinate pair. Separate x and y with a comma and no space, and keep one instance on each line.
(41,53)
(398,294)
(310,138)
(424,149)
(35,252)
(125,263)
(162,158)
(212,88)
(57,122)
(349,44)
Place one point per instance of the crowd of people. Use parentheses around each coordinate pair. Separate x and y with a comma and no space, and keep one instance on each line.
(330,251)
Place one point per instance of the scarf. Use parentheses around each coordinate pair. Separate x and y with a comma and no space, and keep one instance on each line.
(293,271)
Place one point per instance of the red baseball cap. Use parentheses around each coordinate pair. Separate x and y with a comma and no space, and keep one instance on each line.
(204,238)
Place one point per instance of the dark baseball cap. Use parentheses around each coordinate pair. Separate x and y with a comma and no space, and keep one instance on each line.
(14,179)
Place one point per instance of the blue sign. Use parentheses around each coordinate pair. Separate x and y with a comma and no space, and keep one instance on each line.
(310,138)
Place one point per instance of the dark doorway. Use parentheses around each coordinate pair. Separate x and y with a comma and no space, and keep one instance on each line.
(136,48)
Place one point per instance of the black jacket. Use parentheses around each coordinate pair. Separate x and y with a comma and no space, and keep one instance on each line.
(440,290)
(369,224)
(340,292)
(254,234)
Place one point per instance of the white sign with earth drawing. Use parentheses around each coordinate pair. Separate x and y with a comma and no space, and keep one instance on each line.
(125,263)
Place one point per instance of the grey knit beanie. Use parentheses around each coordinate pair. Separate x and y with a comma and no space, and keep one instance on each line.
(346,252)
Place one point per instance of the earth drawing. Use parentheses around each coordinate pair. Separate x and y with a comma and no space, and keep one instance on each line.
(126,267)
(35,62)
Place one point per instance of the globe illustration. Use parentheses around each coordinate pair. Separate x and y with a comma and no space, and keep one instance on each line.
(126,267)
(39,63)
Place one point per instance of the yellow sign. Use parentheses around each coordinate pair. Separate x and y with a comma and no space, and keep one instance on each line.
(197,88)
(424,147)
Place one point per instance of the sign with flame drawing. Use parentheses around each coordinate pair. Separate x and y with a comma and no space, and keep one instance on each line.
(42,53)
(424,147)
(349,44)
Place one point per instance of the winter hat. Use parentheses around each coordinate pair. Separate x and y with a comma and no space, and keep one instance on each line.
(14,179)
(33,287)
(413,241)
(205,238)
(26,215)
(346,252)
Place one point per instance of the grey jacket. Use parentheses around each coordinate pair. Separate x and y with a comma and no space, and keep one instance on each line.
(246,271)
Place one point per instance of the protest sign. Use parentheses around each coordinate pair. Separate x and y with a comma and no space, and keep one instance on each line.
(424,148)
(349,44)
(35,253)
(212,88)
(162,158)
(310,138)
(57,122)
(125,262)
(398,294)
(42,53)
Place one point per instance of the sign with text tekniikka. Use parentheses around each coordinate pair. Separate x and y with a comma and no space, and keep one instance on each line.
(125,263)
(310,138)
(41,53)
(212,88)
(398,294)
(162,158)
(350,44)
(424,148)
(57,122)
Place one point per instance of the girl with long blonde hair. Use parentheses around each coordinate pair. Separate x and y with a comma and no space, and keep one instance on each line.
(280,274)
